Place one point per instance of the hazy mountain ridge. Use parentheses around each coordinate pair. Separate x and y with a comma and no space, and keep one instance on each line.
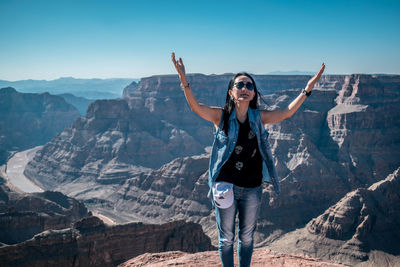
(292,72)
(28,120)
(80,103)
(88,88)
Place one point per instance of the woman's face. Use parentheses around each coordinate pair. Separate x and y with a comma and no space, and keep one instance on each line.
(243,94)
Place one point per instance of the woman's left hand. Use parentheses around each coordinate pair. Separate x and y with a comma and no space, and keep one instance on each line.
(315,79)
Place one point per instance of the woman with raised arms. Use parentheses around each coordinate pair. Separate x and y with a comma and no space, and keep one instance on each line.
(241,158)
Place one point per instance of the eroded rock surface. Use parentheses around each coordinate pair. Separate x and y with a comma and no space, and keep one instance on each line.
(91,243)
(22,215)
(362,227)
(345,136)
(370,215)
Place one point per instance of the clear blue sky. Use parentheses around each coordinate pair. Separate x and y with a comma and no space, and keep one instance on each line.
(104,39)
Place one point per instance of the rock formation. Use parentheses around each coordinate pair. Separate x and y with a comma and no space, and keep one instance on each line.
(345,136)
(368,215)
(22,215)
(91,243)
(112,141)
(129,89)
(261,258)
(28,120)
(176,191)
(320,161)
(362,226)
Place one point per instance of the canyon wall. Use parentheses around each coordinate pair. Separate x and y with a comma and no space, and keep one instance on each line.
(91,243)
(145,157)
(362,228)
(22,215)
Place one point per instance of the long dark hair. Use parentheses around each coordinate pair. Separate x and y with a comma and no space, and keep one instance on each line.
(230,104)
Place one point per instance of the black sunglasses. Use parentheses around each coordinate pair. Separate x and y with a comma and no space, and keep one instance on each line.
(240,85)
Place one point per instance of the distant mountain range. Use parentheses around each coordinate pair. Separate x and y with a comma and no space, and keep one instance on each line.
(293,72)
(302,72)
(88,88)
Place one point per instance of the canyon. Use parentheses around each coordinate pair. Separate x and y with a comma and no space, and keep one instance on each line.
(145,157)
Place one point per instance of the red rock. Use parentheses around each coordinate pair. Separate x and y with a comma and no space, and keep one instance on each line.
(261,257)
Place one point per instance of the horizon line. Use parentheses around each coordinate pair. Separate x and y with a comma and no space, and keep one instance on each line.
(275,73)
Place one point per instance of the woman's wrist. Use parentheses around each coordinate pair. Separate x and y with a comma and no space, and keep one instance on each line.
(306,91)
(183,79)
(185,85)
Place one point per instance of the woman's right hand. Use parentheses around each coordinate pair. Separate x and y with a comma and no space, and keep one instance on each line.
(212,114)
(180,68)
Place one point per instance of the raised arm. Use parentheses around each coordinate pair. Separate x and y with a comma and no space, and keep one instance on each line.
(275,116)
(212,114)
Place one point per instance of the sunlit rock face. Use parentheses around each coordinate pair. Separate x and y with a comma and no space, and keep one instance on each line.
(150,127)
(134,157)
(345,136)
(361,229)
(368,215)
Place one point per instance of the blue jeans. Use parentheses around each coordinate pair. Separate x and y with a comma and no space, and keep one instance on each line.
(247,202)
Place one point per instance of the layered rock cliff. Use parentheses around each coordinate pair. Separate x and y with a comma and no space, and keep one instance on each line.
(162,97)
(22,215)
(91,243)
(129,89)
(363,226)
(152,126)
(28,120)
(345,136)
(366,217)
(317,167)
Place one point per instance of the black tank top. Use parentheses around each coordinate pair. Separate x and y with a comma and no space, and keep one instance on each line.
(244,166)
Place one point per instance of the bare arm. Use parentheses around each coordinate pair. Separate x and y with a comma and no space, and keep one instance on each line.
(281,114)
(212,114)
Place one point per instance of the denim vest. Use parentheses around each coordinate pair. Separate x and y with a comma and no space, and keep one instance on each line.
(223,147)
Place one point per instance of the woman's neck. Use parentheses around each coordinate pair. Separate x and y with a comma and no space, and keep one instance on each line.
(241,111)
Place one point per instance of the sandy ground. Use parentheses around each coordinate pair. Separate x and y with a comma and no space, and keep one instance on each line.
(105,219)
(15,171)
